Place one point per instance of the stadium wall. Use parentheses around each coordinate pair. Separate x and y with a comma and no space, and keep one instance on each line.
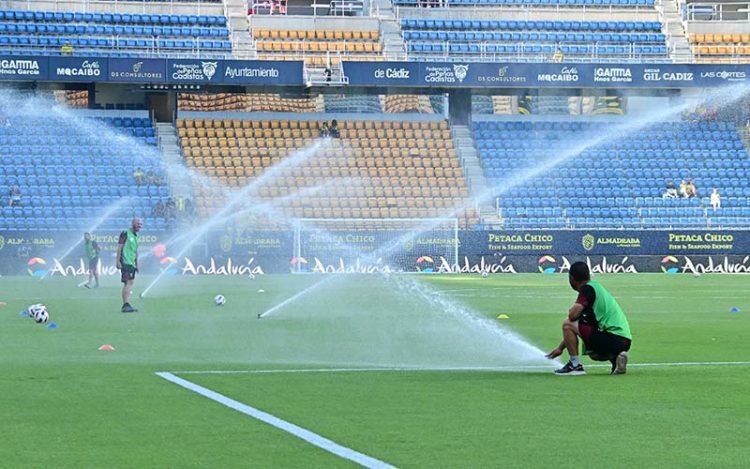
(239,252)
(437,75)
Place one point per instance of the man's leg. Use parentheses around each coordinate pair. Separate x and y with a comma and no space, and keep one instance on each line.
(612,348)
(127,287)
(570,338)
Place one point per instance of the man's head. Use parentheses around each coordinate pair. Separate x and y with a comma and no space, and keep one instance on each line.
(137,224)
(579,275)
(334,123)
(87,236)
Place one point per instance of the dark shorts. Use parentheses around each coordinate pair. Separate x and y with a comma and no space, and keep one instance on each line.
(93,263)
(128,273)
(602,343)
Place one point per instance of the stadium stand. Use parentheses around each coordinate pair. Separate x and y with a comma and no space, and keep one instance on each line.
(66,177)
(113,34)
(720,47)
(368,104)
(403,103)
(433,39)
(407,169)
(317,47)
(624,179)
(74,99)
(261,102)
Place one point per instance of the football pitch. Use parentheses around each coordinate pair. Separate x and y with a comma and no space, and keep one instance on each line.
(396,371)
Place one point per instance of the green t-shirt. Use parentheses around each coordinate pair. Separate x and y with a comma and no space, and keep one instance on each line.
(129,240)
(92,249)
(609,315)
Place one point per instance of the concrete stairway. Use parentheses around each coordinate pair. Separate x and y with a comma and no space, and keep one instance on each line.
(394,47)
(679,47)
(478,186)
(243,46)
(177,174)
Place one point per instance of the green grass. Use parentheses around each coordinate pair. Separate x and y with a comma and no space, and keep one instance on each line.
(65,404)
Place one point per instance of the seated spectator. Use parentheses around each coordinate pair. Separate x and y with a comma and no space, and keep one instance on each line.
(690,190)
(558,56)
(715,199)
(324,131)
(150,178)
(335,129)
(671,192)
(14,196)
(683,189)
(138,176)
(66,49)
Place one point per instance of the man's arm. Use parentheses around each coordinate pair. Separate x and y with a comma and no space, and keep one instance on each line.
(585,298)
(119,256)
(120,245)
(574,313)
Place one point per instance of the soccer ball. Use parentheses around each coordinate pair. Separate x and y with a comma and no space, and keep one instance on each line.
(219,300)
(484,274)
(38,313)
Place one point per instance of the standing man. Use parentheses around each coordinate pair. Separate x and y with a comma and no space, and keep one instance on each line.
(598,319)
(127,261)
(92,250)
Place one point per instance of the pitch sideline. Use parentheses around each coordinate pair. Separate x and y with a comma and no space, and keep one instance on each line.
(417,369)
(302,433)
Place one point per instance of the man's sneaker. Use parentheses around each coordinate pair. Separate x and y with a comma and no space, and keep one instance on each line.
(622,364)
(126,308)
(87,285)
(570,370)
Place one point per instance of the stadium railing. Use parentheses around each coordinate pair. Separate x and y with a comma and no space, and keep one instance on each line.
(716,11)
(314,8)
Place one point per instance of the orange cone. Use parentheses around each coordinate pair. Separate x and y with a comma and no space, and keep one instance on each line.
(107,348)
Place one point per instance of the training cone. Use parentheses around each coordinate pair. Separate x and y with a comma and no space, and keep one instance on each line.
(503,316)
(261,291)
(52,325)
(107,348)
(734,310)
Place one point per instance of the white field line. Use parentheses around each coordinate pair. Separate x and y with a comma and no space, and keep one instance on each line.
(417,369)
(306,435)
